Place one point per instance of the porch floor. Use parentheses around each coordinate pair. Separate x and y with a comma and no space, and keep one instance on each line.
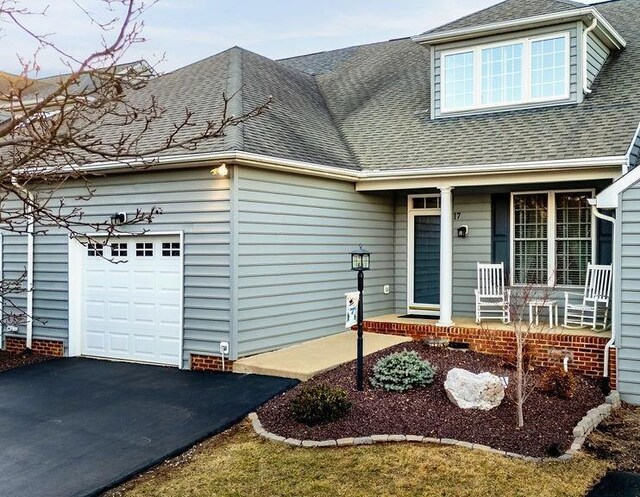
(492,324)
(304,360)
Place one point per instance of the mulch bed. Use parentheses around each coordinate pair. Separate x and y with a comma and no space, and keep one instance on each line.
(549,421)
(9,360)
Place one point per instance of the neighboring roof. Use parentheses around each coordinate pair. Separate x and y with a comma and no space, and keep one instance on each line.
(10,83)
(509,10)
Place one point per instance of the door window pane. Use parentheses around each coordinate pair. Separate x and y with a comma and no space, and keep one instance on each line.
(426,274)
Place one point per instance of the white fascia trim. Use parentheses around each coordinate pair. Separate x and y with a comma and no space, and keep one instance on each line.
(243,158)
(593,162)
(609,197)
(300,167)
(607,30)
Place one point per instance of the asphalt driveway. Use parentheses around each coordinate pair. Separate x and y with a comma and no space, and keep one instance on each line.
(74,427)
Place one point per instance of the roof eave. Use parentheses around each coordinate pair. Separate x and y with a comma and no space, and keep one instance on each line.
(608,33)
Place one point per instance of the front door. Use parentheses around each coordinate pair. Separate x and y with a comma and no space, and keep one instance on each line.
(424,254)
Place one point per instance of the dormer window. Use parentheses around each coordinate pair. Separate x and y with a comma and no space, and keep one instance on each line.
(516,72)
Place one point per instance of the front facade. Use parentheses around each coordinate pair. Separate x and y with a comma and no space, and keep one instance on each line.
(499,126)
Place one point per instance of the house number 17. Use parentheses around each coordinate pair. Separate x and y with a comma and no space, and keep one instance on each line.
(456,216)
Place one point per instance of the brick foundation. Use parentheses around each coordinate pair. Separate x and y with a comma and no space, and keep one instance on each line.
(16,345)
(546,349)
(209,363)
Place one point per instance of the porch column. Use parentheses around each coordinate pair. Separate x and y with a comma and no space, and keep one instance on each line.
(446,256)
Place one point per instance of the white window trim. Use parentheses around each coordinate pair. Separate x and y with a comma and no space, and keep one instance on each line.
(526,73)
(551,235)
(413,307)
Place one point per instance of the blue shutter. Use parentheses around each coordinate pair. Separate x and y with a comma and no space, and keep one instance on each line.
(500,246)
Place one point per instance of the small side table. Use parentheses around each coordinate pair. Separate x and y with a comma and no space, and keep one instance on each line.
(551,305)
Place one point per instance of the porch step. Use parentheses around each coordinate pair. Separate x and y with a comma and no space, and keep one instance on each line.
(307,359)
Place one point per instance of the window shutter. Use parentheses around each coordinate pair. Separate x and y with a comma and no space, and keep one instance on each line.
(605,240)
(500,229)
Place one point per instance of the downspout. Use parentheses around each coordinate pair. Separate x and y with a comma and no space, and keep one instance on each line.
(30,239)
(614,306)
(585,40)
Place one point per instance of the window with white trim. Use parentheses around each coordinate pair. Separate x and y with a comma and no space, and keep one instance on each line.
(526,70)
(552,238)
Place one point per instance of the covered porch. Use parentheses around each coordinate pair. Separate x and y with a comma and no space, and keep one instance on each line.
(539,225)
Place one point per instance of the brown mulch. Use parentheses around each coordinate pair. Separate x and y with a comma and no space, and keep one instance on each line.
(617,438)
(10,360)
(549,421)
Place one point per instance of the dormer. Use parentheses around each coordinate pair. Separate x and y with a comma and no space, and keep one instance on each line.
(517,54)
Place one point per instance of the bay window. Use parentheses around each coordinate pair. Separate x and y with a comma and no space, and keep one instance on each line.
(552,238)
(515,72)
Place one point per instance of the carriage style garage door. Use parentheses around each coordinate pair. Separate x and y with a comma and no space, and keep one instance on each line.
(131,308)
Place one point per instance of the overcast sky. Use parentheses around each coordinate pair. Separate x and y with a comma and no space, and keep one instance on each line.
(184,31)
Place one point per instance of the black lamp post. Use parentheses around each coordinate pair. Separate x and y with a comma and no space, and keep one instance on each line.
(360,261)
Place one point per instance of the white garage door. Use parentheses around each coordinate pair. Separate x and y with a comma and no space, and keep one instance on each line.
(131,308)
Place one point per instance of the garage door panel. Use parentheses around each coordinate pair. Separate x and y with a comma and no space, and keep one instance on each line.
(119,312)
(133,310)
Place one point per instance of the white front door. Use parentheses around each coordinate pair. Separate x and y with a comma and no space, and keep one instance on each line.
(131,299)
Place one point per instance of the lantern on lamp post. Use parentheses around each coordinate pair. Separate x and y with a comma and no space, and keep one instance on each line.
(360,262)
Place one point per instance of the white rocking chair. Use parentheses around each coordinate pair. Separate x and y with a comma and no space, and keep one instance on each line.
(492,300)
(597,290)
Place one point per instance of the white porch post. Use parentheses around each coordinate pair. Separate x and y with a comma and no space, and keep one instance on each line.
(446,256)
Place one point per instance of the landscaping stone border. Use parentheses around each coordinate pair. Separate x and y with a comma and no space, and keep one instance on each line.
(580,432)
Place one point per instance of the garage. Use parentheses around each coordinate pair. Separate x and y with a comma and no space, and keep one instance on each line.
(131,298)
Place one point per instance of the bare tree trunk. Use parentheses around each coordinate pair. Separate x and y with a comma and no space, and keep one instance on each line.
(519,379)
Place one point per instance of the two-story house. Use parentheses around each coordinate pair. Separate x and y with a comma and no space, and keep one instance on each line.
(506,121)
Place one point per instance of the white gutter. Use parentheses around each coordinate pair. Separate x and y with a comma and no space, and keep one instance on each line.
(493,168)
(585,40)
(301,167)
(614,301)
(30,237)
(615,39)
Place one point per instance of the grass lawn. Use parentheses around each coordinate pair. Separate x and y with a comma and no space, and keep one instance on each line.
(239,463)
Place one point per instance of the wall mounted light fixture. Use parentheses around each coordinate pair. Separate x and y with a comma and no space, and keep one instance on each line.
(119,218)
(221,170)
(463,231)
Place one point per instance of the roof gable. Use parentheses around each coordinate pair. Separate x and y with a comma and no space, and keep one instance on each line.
(508,10)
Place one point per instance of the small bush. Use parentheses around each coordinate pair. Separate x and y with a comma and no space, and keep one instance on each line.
(558,382)
(319,404)
(402,371)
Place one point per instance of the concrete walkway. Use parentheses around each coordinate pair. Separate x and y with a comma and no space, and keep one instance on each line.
(307,359)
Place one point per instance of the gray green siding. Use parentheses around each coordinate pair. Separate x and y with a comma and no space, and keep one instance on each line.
(597,53)
(438,50)
(400,253)
(475,212)
(192,201)
(629,333)
(294,238)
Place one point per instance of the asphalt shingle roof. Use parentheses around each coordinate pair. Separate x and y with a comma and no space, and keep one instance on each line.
(379,96)
(367,107)
(509,10)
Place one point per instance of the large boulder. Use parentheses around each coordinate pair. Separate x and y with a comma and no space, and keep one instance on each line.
(474,391)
